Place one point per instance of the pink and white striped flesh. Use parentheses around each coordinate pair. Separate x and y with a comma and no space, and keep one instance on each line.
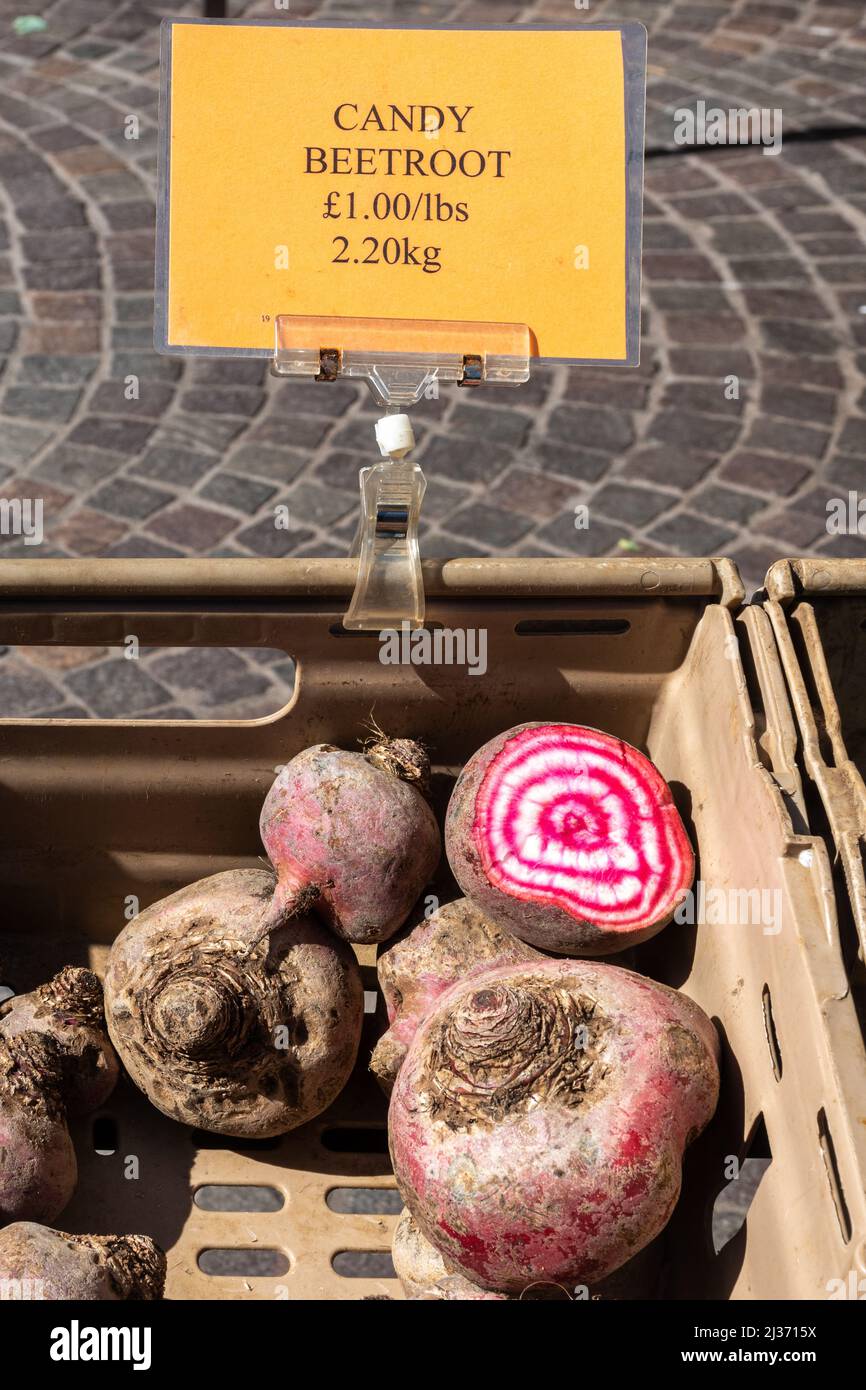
(569,838)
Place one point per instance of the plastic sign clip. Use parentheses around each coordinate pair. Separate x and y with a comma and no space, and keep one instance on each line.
(401,361)
(389,590)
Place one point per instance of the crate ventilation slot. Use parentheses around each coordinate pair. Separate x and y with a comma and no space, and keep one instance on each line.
(104,1135)
(238,1197)
(243,1262)
(572,627)
(362,1201)
(772,1035)
(831,1166)
(363,1264)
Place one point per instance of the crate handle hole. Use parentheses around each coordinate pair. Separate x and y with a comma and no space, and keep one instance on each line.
(772,1035)
(364,1264)
(238,1197)
(123,679)
(243,1262)
(372,1201)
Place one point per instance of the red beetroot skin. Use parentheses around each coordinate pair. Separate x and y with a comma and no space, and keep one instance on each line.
(538,1122)
(418,967)
(38,1170)
(425,1276)
(349,840)
(569,838)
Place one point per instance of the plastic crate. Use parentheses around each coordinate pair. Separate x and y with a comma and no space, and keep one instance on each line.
(818,611)
(657,652)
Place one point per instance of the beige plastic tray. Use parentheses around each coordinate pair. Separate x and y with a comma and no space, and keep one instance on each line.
(653,651)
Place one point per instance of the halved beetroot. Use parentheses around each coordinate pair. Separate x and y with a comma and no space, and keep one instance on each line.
(569,838)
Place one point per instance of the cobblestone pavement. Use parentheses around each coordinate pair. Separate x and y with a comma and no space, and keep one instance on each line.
(754,270)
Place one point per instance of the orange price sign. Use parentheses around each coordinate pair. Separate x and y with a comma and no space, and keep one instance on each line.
(409,173)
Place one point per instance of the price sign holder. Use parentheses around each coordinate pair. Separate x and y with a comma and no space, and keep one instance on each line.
(389,589)
(401,359)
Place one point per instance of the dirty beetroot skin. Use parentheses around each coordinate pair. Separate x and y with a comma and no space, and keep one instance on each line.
(223,1029)
(69,1008)
(416,969)
(538,1122)
(61,1266)
(351,836)
(569,838)
(38,1169)
(425,1275)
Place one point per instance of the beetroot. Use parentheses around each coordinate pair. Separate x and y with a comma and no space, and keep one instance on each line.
(70,1009)
(426,1275)
(221,1033)
(38,1170)
(419,966)
(351,836)
(538,1122)
(569,838)
(52,1265)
